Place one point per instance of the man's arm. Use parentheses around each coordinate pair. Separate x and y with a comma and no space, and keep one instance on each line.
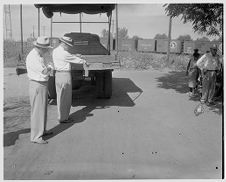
(201,61)
(189,63)
(73,58)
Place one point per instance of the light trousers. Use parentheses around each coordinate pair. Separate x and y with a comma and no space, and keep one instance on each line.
(38,92)
(64,94)
(208,86)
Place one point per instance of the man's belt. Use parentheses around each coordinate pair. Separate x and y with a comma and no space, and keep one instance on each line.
(38,81)
(63,71)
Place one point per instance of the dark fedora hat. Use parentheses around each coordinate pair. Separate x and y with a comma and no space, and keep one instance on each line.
(67,40)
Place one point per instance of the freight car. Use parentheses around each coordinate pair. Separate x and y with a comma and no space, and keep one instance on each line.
(127,45)
(203,46)
(161,45)
(146,45)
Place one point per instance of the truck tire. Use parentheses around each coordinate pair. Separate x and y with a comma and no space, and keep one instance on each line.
(51,88)
(104,84)
(108,84)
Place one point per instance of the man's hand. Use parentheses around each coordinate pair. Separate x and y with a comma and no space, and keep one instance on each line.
(78,55)
(49,68)
(86,63)
(204,71)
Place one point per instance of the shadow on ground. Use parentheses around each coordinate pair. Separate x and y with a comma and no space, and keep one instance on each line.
(178,81)
(174,80)
(85,96)
(11,137)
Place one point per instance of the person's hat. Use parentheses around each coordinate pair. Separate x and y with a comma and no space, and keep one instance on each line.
(42,42)
(196,54)
(214,47)
(196,50)
(67,40)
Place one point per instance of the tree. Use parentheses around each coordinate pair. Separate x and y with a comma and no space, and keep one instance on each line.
(104,34)
(123,33)
(205,18)
(184,37)
(161,36)
(135,37)
(203,39)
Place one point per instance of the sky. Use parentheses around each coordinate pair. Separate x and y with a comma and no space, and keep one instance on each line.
(143,20)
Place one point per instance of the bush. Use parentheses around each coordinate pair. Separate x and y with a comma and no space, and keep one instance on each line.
(143,61)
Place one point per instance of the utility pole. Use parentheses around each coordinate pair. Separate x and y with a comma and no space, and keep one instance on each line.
(43,30)
(116,18)
(21,29)
(113,28)
(8,22)
(38,22)
(80,20)
(169,39)
(33,32)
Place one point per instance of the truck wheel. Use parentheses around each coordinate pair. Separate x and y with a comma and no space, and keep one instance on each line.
(51,88)
(104,84)
(108,84)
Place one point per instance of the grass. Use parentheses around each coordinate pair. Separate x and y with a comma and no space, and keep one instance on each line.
(143,61)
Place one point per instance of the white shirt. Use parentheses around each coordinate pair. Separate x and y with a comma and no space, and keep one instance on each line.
(37,66)
(208,62)
(62,59)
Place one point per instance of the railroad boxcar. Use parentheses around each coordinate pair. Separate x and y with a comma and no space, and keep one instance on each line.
(146,45)
(203,46)
(188,47)
(127,45)
(162,44)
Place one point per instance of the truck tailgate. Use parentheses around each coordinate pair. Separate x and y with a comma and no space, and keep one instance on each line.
(98,62)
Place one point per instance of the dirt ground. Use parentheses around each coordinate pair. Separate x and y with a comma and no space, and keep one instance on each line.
(146,130)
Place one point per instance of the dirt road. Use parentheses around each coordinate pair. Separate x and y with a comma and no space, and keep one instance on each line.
(146,130)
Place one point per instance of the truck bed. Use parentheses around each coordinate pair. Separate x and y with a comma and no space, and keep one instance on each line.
(97,62)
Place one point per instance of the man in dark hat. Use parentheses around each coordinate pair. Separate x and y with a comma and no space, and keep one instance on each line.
(62,59)
(38,71)
(209,64)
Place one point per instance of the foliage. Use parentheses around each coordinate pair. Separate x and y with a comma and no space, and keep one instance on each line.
(123,33)
(203,39)
(135,37)
(205,18)
(184,37)
(104,34)
(161,36)
(144,61)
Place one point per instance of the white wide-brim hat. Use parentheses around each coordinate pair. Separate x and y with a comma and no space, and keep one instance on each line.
(67,40)
(214,47)
(42,42)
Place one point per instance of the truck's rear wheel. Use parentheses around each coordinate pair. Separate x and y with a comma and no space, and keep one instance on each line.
(51,88)
(104,84)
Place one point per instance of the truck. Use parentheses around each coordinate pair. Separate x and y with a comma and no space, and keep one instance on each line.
(99,57)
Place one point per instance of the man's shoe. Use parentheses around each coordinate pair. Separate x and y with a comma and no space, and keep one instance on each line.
(46,133)
(41,141)
(66,121)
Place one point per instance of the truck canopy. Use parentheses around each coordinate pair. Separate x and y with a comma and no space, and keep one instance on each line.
(49,9)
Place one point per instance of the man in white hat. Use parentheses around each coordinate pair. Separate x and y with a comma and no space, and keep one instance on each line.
(209,64)
(38,70)
(62,59)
